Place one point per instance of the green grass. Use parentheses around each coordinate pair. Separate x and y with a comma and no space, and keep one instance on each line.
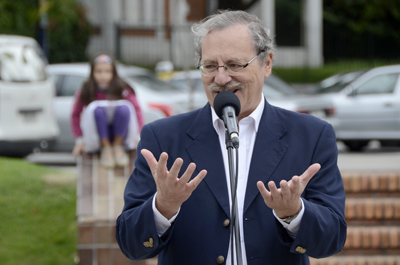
(314,75)
(37,215)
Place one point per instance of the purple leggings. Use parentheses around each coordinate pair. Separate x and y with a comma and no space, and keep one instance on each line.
(119,125)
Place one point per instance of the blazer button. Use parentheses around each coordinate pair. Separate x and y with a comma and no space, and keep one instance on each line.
(227,222)
(300,250)
(220,259)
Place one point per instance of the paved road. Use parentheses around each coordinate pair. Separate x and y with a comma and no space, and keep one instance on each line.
(374,158)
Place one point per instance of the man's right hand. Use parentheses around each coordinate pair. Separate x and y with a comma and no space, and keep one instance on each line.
(171,190)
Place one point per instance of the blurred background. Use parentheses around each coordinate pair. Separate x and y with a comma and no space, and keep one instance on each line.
(338,60)
(323,36)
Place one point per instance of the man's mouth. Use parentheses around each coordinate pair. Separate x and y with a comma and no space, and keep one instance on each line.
(232,86)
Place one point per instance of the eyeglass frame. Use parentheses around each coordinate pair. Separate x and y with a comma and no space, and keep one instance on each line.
(227,68)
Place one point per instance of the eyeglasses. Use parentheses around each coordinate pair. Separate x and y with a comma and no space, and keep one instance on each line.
(211,69)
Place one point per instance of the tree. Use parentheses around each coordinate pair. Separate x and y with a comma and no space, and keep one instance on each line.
(68,29)
(361,29)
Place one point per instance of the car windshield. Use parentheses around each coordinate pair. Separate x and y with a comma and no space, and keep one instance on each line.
(274,82)
(21,63)
(154,83)
(337,82)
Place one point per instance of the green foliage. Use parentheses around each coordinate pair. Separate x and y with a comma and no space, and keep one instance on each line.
(18,17)
(38,223)
(68,30)
(381,18)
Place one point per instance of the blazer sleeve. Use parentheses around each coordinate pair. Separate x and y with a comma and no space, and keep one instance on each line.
(323,228)
(136,232)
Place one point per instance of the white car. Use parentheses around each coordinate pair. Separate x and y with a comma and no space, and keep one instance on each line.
(27,119)
(156,98)
(368,108)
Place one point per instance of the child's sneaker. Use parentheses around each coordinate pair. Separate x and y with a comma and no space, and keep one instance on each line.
(107,158)
(121,157)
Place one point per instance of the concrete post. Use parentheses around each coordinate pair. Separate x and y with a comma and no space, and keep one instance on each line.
(268,15)
(312,21)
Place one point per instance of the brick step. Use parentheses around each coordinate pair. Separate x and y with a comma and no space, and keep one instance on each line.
(370,209)
(357,260)
(371,182)
(374,239)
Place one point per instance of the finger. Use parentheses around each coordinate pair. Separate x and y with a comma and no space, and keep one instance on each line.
(196,181)
(162,165)
(150,159)
(285,190)
(176,167)
(188,173)
(294,184)
(263,190)
(273,189)
(310,172)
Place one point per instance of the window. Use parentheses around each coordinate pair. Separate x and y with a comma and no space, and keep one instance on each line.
(381,84)
(21,63)
(71,84)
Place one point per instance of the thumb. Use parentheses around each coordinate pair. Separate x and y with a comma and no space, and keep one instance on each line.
(310,172)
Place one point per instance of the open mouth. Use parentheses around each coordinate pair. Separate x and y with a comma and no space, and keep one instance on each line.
(233,91)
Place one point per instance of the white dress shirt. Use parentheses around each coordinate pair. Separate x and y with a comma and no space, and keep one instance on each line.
(248,128)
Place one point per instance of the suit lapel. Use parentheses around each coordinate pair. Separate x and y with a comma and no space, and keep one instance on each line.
(205,151)
(267,153)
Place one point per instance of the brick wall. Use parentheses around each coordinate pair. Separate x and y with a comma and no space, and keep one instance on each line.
(373,218)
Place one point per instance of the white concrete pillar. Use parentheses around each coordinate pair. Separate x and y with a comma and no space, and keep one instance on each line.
(267,8)
(111,14)
(148,12)
(313,35)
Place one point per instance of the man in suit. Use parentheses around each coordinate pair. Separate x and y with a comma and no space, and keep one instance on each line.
(290,193)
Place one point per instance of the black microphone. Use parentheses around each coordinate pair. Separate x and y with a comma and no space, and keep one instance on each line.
(227,107)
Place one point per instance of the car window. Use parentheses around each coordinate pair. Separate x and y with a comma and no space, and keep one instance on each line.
(183,84)
(154,83)
(70,84)
(274,82)
(272,93)
(381,84)
(337,82)
(21,63)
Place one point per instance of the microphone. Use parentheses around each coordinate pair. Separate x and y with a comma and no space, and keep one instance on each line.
(227,107)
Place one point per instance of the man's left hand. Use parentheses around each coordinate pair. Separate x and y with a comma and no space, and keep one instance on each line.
(285,201)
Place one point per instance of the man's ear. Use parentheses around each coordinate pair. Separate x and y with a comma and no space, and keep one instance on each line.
(268,64)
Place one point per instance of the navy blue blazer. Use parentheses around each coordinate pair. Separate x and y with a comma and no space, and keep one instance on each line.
(287,143)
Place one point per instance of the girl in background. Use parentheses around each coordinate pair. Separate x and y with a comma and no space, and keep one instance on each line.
(106,115)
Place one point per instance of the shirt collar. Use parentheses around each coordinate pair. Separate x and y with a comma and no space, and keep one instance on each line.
(254,117)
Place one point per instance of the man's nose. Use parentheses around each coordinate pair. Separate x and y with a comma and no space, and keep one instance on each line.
(222,77)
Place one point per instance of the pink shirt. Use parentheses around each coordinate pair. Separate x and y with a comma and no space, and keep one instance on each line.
(78,108)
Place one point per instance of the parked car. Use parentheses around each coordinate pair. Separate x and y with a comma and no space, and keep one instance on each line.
(368,108)
(157,99)
(27,119)
(278,93)
(336,82)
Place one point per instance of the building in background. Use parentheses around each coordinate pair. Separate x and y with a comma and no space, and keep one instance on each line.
(148,31)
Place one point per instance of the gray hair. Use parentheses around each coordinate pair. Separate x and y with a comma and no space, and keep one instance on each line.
(224,19)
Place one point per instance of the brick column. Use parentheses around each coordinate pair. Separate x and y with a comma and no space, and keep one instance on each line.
(99,202)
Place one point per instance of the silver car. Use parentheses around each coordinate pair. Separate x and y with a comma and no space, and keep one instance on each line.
(157,99)
(368,108)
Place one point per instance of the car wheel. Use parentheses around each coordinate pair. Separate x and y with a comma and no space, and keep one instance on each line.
(356,145)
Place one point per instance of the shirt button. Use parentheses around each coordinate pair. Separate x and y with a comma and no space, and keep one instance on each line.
(227,222)
(220,259)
